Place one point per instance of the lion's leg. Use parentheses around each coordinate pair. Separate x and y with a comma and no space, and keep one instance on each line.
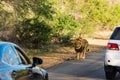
(81,55)
(84,54)
(78,55)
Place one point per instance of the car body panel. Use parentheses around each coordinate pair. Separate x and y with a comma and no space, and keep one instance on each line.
(112,57)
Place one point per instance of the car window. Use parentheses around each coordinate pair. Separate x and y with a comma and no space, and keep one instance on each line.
(22,57)
(116,34)
(10,56)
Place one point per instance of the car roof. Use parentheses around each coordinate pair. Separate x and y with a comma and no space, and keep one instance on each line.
(4,44)
(116,27)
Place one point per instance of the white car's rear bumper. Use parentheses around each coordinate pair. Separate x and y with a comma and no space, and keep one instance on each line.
(112,58)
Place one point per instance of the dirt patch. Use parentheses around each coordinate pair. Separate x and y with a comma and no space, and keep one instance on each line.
(62,54)
(56,59)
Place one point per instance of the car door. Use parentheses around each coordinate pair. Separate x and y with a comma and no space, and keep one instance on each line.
(24,71)
(14,63)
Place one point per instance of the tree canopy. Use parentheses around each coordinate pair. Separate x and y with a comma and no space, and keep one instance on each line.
(38,22)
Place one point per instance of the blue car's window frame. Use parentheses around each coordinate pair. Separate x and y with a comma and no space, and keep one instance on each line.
(25,60)
(10,56)
(22,58)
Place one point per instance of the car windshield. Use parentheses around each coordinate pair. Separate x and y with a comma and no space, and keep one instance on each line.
(116,34)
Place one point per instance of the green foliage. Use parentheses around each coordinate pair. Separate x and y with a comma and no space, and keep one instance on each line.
(115,16)
(28,19)
(33,32)
(87,27)
(100,13)
(43,8)
(65,27)
(39,21)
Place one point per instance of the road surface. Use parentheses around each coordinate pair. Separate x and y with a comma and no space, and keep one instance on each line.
(89,69)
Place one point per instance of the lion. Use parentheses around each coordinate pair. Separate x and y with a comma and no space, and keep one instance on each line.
(81,48)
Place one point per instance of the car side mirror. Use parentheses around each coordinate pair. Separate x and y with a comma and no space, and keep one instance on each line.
(36,61)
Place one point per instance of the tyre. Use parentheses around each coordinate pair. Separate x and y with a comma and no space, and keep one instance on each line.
(110,72)
(110,75)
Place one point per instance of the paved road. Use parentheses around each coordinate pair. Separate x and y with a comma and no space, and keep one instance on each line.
(89,69)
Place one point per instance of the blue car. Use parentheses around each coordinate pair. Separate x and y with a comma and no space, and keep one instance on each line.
(15,65)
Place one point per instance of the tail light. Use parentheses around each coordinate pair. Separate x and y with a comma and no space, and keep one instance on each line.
(112,46)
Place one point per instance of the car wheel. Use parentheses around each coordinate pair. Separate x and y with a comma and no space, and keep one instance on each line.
(110,72)
(110,75)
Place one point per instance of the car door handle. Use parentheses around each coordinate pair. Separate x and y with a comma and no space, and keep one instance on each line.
(14,74)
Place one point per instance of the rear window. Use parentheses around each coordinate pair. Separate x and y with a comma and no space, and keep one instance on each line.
(116,34)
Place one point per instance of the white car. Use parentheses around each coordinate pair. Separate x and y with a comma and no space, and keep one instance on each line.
(112,55)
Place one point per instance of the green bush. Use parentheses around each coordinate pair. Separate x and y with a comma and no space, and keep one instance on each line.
(65,27)
(34,32)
